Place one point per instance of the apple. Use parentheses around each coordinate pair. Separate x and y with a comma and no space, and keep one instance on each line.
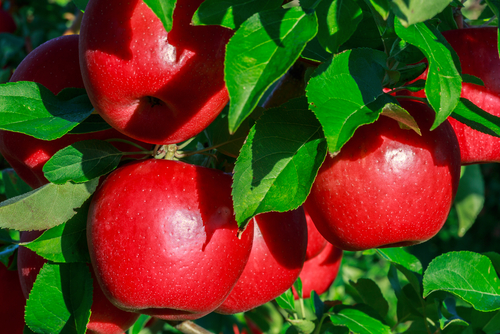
(388,186)
(163,239)
(105,318)
(154,86)
(13,302)
(7,23)
(55,65)
(315,241)
(478,54)
(278,254)
(320,272)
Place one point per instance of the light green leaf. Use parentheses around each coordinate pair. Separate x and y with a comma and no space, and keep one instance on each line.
(414,11)
(359,322)
(164,10)
(469,200)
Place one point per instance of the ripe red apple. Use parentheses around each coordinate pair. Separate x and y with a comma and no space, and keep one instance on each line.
(55,65)
(319,272)
(12,305)
(163,239)
(7,23)
(388,186)
(277,257)
(315,241)
(157,87)
(105,317)
(478,54)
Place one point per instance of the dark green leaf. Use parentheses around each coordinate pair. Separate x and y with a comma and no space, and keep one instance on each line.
(469,200)
(45,207)
(346,93)
(14,185)
(315,52)
(30,108)
(164,9)
(231,13)
(371,295)
(317,304)
(337,21)
(414,11)
(93,123)
(359,322)
(66,242)
(298,287)
(444,84)
(286,301)
(260,52)
(406,53)
(453,319)
(81,4)
(472,79)
(278,162)
(468,275)
(82,161)
(60,299)
(6,252)
(382,7)
(471,115)
(399,256)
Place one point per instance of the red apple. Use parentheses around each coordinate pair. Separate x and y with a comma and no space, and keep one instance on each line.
(319,273)
(388,186)
(12,306)
(7,23)
(478,54)
(277,257)
(157,87)
(163,239)
(55,65)
(315,241)
(105,317)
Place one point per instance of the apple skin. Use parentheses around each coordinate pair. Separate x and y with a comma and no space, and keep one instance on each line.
(315,241)
(166,227)
(478,54)
(277,257)
(154,86)
(7,23)
(55,65)
(13,302)
(105,317)
(319,272)
(388,187)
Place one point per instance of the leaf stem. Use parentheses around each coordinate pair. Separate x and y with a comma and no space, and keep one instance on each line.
(189,327)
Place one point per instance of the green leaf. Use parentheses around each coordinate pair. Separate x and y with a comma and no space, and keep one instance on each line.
(60,299)
(399,256)
(359,322)
(93,123)
(453,320)
(371,295)
(260,52)
(383,7)
(14,185)
(414,11)
(494,5)
(314,51)
(45,207)
(298,287)
(164,10)
(403,117)
(139,324)
(471,115)
(468,78)
(231,13)
(82,161)
(6,252)
(278,162)
(337,21)
(444,84)
(468,275)
(317,304)
(66,242)
(303,326)
(469,200)
(30,108)
(286,301)
(346,92)
(81,4)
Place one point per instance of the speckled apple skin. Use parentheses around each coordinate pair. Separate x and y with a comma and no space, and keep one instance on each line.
(388,186)
(315,241)
(127,58)
(163,239)
(320,272)
(478,54)
(277,257)
(105,318)
(55,65)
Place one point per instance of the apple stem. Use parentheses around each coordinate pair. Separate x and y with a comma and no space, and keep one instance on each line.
(189,327)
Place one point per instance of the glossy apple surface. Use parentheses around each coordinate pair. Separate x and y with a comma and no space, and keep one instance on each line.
(320,272)
(277,257)
(12,306)
(105,317)
(478,54)
(157,87)
(163,239)
(315,241)
(387,187)
(55,65)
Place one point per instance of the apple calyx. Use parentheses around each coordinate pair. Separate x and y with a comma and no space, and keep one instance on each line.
(166,152)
